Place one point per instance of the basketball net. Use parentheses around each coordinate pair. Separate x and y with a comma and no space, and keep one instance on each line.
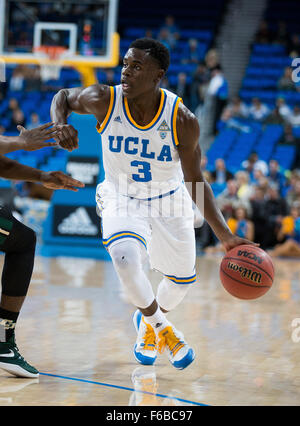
(52,59)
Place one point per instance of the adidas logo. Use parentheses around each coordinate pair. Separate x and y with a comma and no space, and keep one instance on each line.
(78,223)
(118,119)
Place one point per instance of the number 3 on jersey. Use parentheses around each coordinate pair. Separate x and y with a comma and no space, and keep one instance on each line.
(144,173)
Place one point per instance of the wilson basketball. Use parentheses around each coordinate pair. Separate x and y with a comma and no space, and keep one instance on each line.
(247,272)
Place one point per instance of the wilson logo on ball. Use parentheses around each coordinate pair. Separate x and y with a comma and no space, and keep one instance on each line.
(253,276)
(250,255)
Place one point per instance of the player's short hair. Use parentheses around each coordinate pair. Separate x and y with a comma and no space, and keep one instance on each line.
(156,50)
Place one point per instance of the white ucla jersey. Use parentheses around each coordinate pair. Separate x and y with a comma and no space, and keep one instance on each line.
(141,161)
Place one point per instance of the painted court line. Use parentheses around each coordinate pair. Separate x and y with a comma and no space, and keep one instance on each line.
(122,388)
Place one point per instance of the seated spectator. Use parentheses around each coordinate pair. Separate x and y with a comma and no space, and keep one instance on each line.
(192,55)
(282,35)
(239,223)
(293,193)
(258,111)
(293,47)
(284,110)
(245,189)
(259,217)
(33,122)
(286,83)
(183,88)
(237,108)
(17,79)
(294,118)
(227,198)
(199,85)
(33,79)
(276,209)
(253,163)
(275,117)
(275,175)
(18,118)
(264,34)
(221,174)
(289,234)
(169,32)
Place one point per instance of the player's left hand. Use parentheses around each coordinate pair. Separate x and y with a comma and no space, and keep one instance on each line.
(59,180)
(234,241)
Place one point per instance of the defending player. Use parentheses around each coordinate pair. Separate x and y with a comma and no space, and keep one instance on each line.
(150,145)
(17,241)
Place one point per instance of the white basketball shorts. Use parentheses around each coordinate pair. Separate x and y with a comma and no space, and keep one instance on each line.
(164,225)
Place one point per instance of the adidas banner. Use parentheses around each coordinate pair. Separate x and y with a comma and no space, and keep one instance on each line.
(85,169)
(76,221)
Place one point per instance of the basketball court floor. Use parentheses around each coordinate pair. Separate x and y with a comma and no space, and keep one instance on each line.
(76,329)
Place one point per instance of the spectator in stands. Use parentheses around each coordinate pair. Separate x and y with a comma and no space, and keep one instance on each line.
(284,110)
(259,218)
(245,189)
(169,32)
(258,111)
(226,199)
(199,85)
(183,88)
(163,37)
(276,209)
(34,121)
(286,83)
(253,163)
(275,175)
(239,224)
(18,118)
(293,193)
(217,90)
(282,35)
(221,175)
(264,34)
(294,118)
(33,79)
(293,47)
(192,54)
(289,234)
(237,108)
(212,58)
(17,79)
(275,117)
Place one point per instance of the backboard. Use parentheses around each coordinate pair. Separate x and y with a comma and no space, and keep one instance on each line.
(85,29)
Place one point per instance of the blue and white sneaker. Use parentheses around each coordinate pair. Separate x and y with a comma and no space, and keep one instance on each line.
(145,348)
(180,354)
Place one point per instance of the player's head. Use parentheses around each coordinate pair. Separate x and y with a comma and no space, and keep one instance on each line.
(144,65)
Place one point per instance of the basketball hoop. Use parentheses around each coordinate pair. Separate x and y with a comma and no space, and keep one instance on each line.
(51,61)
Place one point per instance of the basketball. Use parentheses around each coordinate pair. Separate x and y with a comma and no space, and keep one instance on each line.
(247,272)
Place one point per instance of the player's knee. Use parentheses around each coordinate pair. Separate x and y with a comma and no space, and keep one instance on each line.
(126,256)
(170,295)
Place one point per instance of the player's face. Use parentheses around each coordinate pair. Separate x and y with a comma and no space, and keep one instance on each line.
(140,73)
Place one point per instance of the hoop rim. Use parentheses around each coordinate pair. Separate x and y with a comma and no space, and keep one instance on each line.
(53,52)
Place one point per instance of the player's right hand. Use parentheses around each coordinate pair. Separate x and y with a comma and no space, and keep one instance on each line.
(68,137)
(59,180)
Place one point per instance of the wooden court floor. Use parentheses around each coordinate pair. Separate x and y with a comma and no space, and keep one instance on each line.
(76,328)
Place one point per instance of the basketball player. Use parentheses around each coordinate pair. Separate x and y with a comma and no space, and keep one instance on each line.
(17,241)
(150,144)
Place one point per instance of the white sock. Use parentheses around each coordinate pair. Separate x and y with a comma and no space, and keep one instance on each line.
(158,321)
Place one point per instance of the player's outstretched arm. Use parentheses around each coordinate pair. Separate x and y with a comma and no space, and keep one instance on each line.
(10,169)
(189,150)
(90,100)
(29,140)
